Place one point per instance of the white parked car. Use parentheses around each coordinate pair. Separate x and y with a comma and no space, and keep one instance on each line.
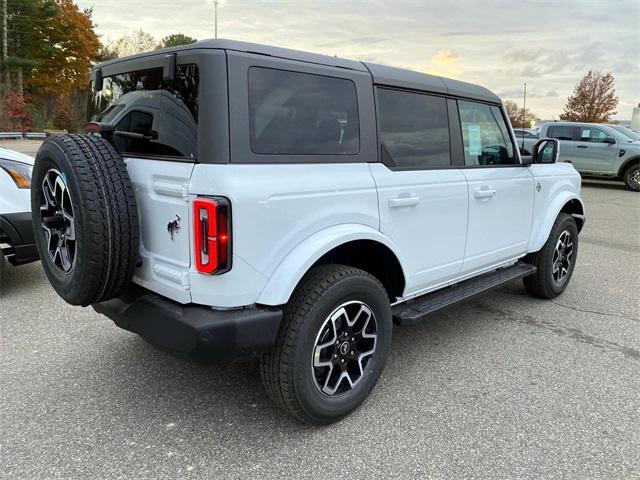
(307,204)
(16,232)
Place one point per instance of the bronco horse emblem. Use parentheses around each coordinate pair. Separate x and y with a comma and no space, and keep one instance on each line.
(174,227)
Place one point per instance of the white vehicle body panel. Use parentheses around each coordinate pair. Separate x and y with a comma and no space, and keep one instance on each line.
(274,209)
(500,211)
(12,198)
(161,189)
(286,217)
(424,213)
(559,184)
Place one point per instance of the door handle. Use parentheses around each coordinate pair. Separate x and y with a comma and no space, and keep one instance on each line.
(582,146)
(399,202)
(484,193)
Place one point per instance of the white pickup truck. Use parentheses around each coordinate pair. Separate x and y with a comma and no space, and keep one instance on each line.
(256,200)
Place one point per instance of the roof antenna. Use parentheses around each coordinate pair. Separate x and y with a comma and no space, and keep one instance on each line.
(524,113)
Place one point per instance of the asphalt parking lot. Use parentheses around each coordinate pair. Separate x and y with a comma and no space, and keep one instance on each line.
(505,386)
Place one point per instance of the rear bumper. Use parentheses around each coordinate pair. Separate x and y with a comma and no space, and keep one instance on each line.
(16,229)
(193,331)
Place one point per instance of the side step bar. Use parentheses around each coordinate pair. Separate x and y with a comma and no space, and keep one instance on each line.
(414,310)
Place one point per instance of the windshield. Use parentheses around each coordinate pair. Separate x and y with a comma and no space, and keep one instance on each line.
(627,132)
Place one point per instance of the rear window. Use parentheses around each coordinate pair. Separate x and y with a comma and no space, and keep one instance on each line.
(561,132)
(294,113)
(164,115)
(414,130)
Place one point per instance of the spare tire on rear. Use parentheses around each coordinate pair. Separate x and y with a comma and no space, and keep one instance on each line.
(85,218)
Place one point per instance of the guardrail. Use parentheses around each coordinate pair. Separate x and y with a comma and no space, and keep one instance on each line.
(10,134)
(30,135)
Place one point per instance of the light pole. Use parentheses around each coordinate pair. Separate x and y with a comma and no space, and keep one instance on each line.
(215,14)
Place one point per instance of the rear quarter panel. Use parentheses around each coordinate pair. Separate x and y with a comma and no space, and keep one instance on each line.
(275,208)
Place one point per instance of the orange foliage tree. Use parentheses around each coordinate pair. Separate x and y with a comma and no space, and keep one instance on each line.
(56,79)
(593,100)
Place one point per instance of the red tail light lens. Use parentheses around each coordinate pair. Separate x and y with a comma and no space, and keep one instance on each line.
(212,235)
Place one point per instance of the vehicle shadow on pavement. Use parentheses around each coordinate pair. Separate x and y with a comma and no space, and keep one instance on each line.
(137,383)
(605,184)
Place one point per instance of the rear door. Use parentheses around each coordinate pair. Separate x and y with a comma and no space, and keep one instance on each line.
(567,135)
(156,131)
(592,153)
(422,196)
(500,189)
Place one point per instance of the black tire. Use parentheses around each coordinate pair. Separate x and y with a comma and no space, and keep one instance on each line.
(287,369)
(105,217)
(632,178)
(3,270)
(542,283)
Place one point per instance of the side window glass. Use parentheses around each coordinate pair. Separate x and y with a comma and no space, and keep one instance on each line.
(293,113)
(561,132)
(590,134)
(414,130)
(485,135)
(130,101)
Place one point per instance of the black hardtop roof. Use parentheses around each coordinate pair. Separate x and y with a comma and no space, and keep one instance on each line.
(382,74)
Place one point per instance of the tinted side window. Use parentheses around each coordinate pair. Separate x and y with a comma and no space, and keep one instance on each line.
(590,134)
(414,130)
(166,113)
(485,135)
(294,113)
(561,132)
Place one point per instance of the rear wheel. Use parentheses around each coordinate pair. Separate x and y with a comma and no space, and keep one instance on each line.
(556,261)
(332,345)
(632,178)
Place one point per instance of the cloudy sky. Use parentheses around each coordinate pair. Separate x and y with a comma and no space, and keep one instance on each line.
(497,43)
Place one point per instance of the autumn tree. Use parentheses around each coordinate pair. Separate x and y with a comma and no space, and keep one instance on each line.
(137,41)
(593,100)
(73,47)
(176,39)
(26,32)
(519,117)
(50,46)
(15,114)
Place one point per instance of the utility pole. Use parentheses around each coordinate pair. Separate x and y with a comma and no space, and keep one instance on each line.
(524,113)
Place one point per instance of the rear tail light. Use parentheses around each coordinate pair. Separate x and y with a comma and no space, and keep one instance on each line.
(212,235)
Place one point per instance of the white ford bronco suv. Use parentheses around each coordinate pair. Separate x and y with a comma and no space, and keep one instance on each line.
(238,199)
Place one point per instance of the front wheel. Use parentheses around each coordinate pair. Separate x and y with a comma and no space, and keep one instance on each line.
(332,345)
(632,178)
(556,261)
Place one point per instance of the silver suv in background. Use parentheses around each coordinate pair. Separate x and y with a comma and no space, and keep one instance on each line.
(599,150)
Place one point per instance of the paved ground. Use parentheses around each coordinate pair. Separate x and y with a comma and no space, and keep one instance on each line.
(506,386)
(29,147)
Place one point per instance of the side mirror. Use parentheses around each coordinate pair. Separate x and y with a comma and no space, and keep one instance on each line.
(546,151)
(609,140)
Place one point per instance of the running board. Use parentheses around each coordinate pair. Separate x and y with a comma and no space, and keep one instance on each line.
(414,310)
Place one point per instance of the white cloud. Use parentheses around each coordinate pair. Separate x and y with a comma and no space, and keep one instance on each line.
(499,44)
